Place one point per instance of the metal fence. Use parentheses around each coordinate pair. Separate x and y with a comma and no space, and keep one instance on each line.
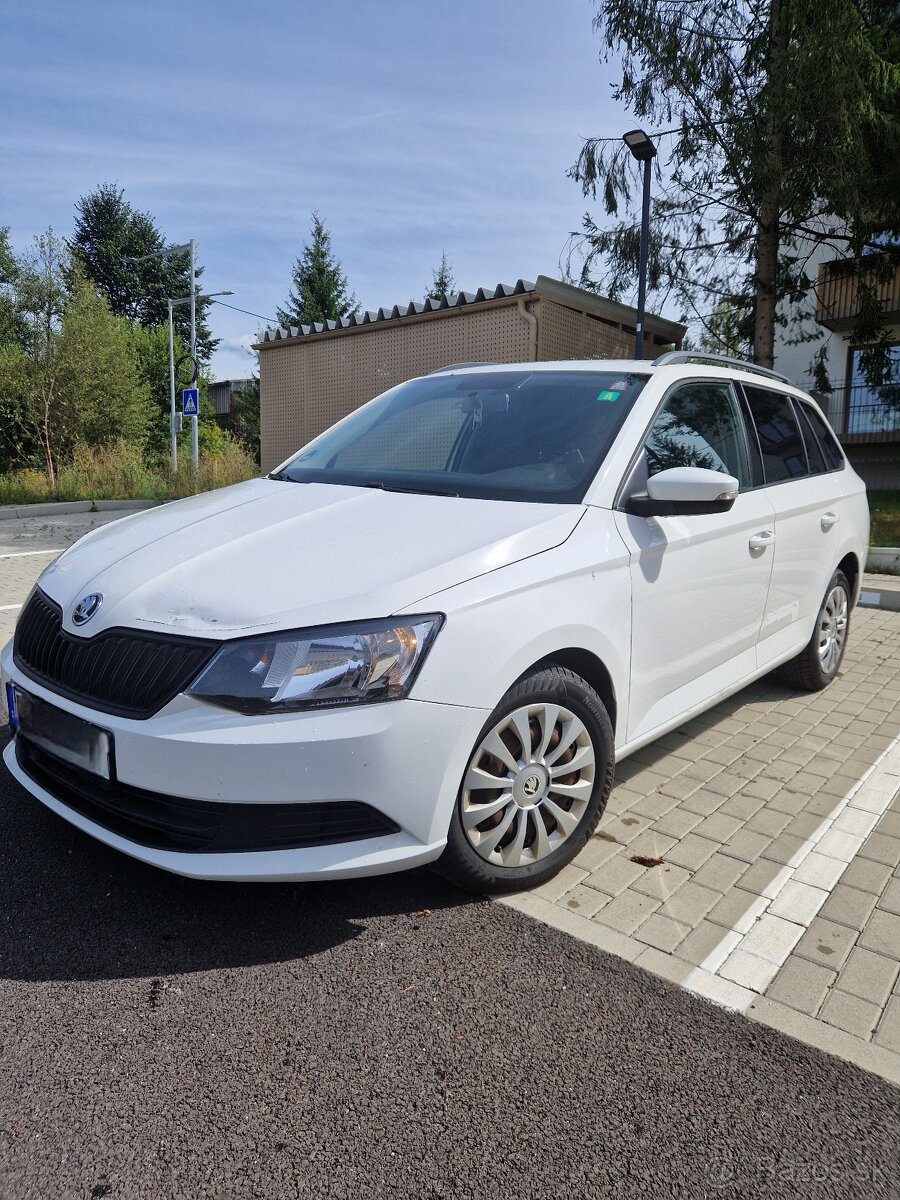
(867,421)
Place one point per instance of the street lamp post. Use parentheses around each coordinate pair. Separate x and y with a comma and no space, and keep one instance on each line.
(643,150)
(173,416)
(173,423)
(191,247)
(195,444)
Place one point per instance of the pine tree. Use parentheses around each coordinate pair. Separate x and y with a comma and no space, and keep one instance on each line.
(109,229)
(442,281)
(319,286)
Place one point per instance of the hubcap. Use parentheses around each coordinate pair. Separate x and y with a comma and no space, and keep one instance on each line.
(528,785)
(832,628)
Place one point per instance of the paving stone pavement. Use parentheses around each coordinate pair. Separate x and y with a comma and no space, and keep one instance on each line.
(776,817)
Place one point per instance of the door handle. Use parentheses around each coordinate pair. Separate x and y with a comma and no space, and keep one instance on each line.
(759,541)
(828,519)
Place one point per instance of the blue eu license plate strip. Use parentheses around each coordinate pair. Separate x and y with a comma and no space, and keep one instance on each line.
(12,707)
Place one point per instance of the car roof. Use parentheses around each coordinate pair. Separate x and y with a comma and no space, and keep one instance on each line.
(620,366)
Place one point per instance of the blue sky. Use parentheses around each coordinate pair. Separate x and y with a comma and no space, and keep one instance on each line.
(413,126)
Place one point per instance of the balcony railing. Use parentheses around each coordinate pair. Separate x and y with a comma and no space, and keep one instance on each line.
(837,291)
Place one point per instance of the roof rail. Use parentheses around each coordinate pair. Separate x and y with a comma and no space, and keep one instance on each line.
(718,360)
(458,366)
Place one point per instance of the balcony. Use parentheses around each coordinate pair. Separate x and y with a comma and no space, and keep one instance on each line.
(837,288)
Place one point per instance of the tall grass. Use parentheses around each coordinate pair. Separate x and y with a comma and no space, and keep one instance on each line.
(885,510)
(119,471)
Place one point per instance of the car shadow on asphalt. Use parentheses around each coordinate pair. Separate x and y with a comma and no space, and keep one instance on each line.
(74,909)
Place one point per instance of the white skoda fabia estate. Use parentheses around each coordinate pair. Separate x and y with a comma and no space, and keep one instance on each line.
(428,636)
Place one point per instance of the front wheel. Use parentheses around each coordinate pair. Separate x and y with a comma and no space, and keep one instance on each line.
(818,663)
(535,787)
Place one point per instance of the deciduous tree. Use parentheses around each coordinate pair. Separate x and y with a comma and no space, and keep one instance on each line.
(75,379)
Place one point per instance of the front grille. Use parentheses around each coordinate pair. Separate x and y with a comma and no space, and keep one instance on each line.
(199,826)
(118,671)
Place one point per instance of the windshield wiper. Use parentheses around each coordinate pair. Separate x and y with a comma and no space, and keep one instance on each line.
(410,491)
(282,477)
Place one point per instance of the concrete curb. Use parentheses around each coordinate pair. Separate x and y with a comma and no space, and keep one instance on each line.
(883,558)
(61,508)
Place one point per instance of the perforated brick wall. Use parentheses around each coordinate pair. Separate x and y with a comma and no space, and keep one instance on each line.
(566,333)
(308,384)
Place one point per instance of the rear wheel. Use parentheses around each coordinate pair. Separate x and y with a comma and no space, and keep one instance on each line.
(819,662)
(535,786)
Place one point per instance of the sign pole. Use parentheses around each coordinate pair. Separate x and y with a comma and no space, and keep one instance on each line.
(195,445)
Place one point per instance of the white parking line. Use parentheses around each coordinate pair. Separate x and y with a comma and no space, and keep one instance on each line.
(9,607)
(753,957)
(29,553)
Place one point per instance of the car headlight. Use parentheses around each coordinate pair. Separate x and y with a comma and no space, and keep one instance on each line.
(308,668)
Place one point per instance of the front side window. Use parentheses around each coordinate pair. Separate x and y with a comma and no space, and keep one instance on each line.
(515,434)
(699,426)
(783,452)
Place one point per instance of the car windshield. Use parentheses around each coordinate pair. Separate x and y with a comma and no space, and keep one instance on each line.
(507,435)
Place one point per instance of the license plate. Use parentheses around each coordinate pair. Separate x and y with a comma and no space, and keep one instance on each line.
(11,707)
(59,733)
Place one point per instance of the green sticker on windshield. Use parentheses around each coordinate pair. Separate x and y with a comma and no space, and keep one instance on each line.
(608,396)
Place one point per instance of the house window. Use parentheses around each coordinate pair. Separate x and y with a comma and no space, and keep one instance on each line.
(873,409)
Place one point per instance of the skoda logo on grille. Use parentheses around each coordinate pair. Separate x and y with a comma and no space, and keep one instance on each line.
(86,608)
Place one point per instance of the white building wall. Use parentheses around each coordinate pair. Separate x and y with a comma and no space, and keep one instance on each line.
(794,358)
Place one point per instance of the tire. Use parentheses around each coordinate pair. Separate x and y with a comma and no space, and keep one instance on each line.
(818,663)
(547,815)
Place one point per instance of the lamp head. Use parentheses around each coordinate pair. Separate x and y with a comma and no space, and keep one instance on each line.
(640,145)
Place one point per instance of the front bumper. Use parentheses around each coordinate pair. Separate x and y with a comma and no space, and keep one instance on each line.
(403,758)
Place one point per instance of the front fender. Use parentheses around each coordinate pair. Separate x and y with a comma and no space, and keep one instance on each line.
(575,596)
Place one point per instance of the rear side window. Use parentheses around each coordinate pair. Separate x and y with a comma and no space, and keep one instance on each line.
(814,455)
(783,452)
(832,451)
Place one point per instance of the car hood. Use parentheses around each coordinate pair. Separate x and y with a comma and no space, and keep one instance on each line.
(268,555)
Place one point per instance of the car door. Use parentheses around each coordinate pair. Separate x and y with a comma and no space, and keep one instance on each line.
(699,582)
(802,483)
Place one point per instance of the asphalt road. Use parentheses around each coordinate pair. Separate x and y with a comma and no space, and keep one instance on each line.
(383,1038)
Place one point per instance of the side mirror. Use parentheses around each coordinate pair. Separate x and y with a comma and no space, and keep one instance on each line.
(683,492)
